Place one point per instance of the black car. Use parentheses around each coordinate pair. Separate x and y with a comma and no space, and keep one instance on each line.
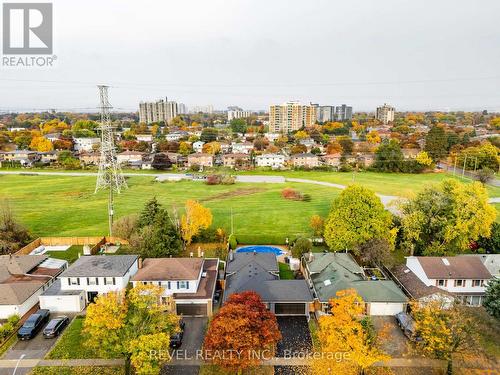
(34,324)
(55,327)
(176,339)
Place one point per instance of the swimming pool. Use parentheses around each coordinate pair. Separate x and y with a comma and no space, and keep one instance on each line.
(260,249)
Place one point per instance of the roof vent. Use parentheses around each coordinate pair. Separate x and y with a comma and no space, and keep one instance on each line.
(203,274)
(327,282)
(446,261)
(406,270)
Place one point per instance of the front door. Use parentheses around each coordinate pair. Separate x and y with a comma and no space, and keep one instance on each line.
(91,296)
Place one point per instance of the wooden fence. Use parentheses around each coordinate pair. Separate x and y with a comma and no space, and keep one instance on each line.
(96,243)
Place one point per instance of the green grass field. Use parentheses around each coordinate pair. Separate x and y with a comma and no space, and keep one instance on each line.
(70,254)
(67,206)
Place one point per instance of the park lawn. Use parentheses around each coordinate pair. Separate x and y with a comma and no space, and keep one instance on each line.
(285,272)
(78,370)
(67,206)
(71,254)
(398,184)
(70,345)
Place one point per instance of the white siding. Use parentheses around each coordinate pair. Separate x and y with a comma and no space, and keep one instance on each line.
(63,303)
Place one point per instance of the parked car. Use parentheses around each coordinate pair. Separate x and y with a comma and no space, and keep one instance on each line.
(34,324)
(407,325)
(176,339)
(55,327)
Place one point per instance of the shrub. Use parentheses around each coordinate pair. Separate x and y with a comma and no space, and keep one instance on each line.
(218,179)
(207,235)
(292,194)
(232,241)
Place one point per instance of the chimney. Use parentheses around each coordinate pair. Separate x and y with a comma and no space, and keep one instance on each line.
(139,263)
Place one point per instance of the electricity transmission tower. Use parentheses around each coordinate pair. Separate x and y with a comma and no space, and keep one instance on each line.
(110,174)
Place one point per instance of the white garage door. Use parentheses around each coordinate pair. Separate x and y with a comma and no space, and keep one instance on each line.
(381,308)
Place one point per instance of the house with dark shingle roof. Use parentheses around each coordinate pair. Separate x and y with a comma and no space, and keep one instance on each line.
(464,276)
(329,273)
(190,281)
(97,274)
(22,279)
(259,272)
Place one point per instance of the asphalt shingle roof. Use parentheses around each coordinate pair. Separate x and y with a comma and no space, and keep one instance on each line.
(100,266)
(332,272)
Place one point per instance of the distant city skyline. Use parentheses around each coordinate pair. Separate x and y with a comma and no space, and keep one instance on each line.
(417,56)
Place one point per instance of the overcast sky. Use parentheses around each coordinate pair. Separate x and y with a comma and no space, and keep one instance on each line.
(416,55)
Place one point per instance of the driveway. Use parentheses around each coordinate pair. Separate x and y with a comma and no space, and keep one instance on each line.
(395,343)
(35,348)
(296,340)
(194,333)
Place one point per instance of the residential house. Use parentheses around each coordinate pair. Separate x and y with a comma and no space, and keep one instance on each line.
(308,142)
(86,144)
(275,161)
(52,136)
(173,157)
(328,273)
(176,135)
(463,276)
(48,157)
(333,160)
(236,160)
(417,290)
(272,136)
(198,146)
(130,157)
(144,137)
(200,159)
(224,147)
(259,272)
(23,278)
(25,157)
(90,276)
(189,281)
(491,262)
(241,147)
(89,158)
(305,160)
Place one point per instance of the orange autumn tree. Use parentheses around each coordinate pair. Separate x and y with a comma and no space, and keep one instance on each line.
(196,218)
(243,325)
(344,332)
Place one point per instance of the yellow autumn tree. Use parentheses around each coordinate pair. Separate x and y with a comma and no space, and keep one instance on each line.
(373,137)
(211,148)
(317,223)
(197,217)
(423,158)
(103,322)
(131,325)
(41,144)
(343,332)
(445,332)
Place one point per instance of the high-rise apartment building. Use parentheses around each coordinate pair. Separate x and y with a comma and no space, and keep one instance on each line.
(325,113)
(203,109)
(161,110)
(232,114)
(182,109)
(343,112)
(385,113)
(291,116)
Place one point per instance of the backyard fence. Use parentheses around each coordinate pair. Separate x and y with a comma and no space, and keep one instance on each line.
(96,243)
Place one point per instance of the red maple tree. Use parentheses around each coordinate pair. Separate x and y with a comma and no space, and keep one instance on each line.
(242,333)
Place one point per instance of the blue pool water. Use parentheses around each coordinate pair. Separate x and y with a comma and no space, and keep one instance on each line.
(260,249)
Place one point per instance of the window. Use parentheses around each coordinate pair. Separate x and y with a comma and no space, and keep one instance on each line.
(441,282)
(109,281)
(477,282)
(74,281)
(168,285)
(459,282)
(182,284)
(92,281)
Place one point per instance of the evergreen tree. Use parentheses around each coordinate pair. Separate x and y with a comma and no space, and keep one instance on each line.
(149,212)
(436,143)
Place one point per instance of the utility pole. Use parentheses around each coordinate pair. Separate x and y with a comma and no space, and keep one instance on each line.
(463,170)
(455,165)
(475,165)
(110,174)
